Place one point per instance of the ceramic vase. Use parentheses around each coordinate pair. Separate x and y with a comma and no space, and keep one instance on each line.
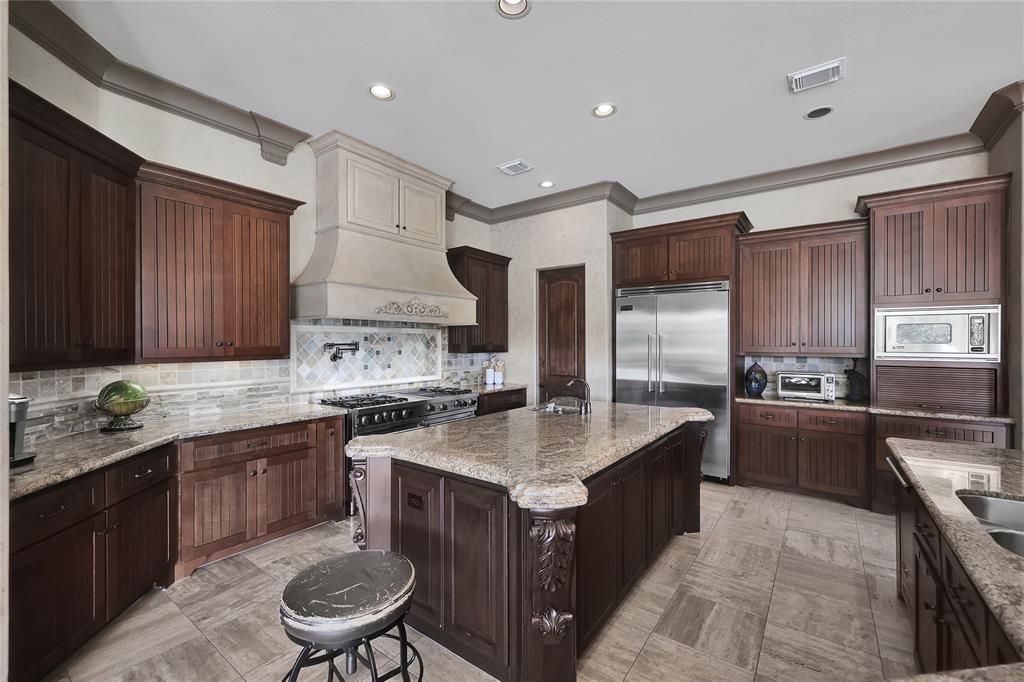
(755,380)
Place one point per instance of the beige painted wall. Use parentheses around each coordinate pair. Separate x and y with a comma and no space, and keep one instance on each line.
(167,138)
(465,231)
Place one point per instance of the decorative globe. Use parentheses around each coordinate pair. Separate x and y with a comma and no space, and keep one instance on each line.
(122,399)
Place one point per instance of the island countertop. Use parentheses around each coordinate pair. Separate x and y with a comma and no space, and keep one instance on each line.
(540,457)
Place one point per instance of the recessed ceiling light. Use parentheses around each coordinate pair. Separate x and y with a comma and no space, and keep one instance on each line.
(818,112)
(513,9)
(603,110)
(381,92)
(547,184)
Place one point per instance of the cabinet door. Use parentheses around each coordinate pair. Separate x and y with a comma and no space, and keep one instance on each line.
(331,471)
(833,463)
(968,248)
(496,319)
(256,265)
(476,282)
(927,614)
(108,264)
(902,253)
(44,247)
(597,587)
(416,534)
(218,509)
(957,653)
(769,298)
(905,506)
(677,464)
(286,491)
(658,474)
(1000,649)
(641,261)
(699,255)
(767,455)
(182,278)
(475,567)
(372,195)
(631,515)
(421,212)
(57,597)
(141,539)
(833,295)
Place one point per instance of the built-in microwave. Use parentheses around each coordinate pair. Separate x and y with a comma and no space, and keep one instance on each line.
(958,333)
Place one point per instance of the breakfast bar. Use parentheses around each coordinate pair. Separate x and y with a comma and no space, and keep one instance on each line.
(528,527)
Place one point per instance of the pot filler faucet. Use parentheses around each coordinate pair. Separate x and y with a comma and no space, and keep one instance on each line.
(586,407)
(338,349)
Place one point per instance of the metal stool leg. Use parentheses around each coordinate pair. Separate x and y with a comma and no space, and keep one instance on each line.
(293,675)
(371,659)
(403,648)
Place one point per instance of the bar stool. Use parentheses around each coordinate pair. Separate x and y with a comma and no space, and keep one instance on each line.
(337,606)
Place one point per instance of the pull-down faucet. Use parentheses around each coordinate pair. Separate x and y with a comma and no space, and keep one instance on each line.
(586,407)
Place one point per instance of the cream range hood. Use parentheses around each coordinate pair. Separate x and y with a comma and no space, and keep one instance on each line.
(380,247)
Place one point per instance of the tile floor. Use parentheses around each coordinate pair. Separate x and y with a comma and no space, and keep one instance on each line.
(775,587)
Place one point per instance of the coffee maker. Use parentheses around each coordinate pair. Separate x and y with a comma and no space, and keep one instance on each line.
(18,412)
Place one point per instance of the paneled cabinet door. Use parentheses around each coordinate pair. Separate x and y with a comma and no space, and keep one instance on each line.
(477,279)
(902,253)
(659,498)
(833,295)
(677,459)
(769,298)
(416,535)
(767,455)
(641,261)
(927,614)
(218,509)
(496,319)
(331,470)
(256,313)
(699,255)
(631,512)
(833,463)
(968,249)
(141,540)
(957,653)
(475,552)
(905,545)
(597,586)
(57,597)
(421,212)
(183,285)
(372,195)
(286,490)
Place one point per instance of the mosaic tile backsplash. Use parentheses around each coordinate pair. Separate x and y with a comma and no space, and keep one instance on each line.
(772,365)
(392,355)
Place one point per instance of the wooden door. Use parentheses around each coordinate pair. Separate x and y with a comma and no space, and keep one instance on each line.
(107,264)
(597,586)
(640,261)
(767,455)
(255,259)
(968,248)
(57,597)
(927,613)
(331,469)
(700,255)
(182,279)
(902,253)
(416,535)
(561,338)
(421,212)
(631,515)
(141,541)
(372,196)
(286,491)
(475,567)
(218,509)
(44,245)
(833,295)
(833,463)
(658,477)
(769,297)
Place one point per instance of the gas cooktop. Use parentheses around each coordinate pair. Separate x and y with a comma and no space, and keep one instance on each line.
(355,402)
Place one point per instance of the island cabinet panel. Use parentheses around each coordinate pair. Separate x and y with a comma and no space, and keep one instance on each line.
(658,477)
(631,510)
(680,508)
(1000,650)
(416,534)
(475,602)
(596,551)
(927,614)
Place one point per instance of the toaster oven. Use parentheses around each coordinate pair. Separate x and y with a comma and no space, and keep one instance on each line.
(807,386)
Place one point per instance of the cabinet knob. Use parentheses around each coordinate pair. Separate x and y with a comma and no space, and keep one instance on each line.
(927,291)
(230,343)
(252,473)
(263,471)
(219,344)
(938,290)
(804,343)
(792,437)
(397,226)
(794,343)
(403,227)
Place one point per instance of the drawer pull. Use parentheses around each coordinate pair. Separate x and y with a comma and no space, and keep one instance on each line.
(831,421)
(114,526)
(922,529)
(56,512)
(257,444)
(770,417)
(143,474)
(928,406)
(928,607)
(937,433)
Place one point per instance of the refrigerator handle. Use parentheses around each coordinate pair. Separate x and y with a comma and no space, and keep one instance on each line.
(661,366)
(650,386)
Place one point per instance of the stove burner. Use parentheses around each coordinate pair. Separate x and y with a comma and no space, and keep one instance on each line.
(352,402)
(442,390)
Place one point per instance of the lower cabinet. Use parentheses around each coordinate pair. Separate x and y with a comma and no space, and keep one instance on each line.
(417,535)
(927,614)
(832,463)
(596,549)
(501,401)
(658,476)
(631,514)
(332,473)
(767,454)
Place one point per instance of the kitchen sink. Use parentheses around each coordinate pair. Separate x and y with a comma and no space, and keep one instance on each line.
(1012,540)
(995,511)
(560,406)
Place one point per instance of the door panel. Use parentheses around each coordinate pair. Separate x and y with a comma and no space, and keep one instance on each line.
(769,298)
(597,585)
(635,349)
(372,196)
(968,248)
(496,318)
(286,490)
(833,463)
(833,310)
(767,455)
(640,261)
(631,510)
(561,339)
(699,255)
(927,612)
(331,469)
(218,509)
(902,253)
(658,476)
(422,212)
(416,534)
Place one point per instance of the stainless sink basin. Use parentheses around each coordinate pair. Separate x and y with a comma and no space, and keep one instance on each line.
(995,511)
(560,406)
(1012,540)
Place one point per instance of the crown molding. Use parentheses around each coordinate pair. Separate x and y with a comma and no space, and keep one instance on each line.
(1002,108)
(338,140)
(169,176)
(55,32)
(943,190)
(612,192)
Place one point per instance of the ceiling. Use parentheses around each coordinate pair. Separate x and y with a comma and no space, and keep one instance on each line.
(700,87)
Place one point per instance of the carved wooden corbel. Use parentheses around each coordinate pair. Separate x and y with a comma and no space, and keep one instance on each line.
(551,624)
(553,541)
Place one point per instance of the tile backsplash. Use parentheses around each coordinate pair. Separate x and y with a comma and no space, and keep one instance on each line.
(774,364)
(392,355)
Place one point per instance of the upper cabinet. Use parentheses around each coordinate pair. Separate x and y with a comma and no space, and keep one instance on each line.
(690,251)
(72,240)
(940,243)
(803,291)
(214,279)
(485,275)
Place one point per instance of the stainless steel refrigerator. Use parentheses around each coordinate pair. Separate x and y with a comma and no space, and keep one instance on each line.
(672,349)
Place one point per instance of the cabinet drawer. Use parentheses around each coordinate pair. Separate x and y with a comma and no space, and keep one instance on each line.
(138,473)
(834,421)
(240,446)
(54,510)
(993,435)
(497,402)
(766,415)
(926,531)
(966,601)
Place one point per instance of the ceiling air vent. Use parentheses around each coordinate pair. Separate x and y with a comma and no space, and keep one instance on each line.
(515,167)
(822,74)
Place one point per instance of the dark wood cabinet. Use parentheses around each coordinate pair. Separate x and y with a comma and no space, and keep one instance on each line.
(927,615)
(218,510)
(906,505)
(596,549)
(767,455)
(485,275)
(641,260)
(416,534)
(631,511)
(832,463)
(1000,650)
(700,255)
(769,297)
(331,468)
(72,240)
(488,403)
(658,478)
(285,491)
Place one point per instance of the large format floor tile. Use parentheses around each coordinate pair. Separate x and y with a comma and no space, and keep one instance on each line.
(792,655)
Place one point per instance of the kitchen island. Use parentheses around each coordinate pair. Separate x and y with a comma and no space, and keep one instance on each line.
(527,528)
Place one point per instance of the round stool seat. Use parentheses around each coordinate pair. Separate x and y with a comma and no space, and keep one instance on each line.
(342,600)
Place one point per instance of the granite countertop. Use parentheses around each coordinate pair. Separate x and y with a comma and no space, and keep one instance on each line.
(494,388)
(62,459)
(873,409)
(996,572)
(540,457)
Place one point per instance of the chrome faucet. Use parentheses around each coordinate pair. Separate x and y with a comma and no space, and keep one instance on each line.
(586,407)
